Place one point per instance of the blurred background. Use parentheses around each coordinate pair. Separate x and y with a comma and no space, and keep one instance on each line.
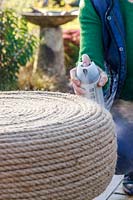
(38,55)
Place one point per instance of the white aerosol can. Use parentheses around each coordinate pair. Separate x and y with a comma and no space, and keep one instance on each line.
(89,75)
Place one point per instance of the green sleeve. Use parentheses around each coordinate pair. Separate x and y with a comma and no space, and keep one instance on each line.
(91,33)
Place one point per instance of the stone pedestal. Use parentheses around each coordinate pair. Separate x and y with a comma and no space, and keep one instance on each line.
(51,51)
(50,56)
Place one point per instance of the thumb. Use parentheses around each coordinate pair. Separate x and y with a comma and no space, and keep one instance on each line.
(73,76)
(103,79)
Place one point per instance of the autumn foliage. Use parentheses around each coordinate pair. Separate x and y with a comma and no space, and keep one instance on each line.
(71,47)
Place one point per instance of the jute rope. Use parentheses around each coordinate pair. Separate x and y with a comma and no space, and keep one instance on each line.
(54,146)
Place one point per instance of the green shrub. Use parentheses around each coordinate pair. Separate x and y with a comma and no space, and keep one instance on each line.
(16,48)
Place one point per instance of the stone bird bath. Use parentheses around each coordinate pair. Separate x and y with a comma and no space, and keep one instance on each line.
(51,50)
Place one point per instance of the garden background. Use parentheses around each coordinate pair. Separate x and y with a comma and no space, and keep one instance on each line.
(19,41)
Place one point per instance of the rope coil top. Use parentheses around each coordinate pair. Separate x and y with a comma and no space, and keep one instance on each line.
(54,146)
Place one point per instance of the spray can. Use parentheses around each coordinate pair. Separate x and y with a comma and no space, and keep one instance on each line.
(89,75)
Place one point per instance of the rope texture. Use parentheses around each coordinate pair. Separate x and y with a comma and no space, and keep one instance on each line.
(54,146)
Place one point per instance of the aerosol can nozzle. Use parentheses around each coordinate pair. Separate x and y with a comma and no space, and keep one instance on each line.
(89,75)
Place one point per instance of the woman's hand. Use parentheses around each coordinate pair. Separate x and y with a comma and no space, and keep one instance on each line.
(103,78)
(76,83)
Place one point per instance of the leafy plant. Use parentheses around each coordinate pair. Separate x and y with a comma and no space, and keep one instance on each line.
(16,47)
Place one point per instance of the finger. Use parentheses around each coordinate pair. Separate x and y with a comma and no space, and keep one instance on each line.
(102,82)
(76,82)
(103,79)
(102,73)
(73,73)
(73,77)
(78,90)
(77,93)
